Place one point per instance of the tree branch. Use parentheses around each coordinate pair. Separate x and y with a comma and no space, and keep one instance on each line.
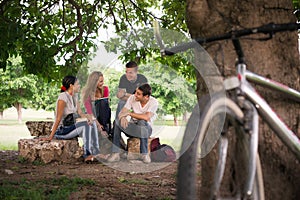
(113,14)
(144,11)
(79,25)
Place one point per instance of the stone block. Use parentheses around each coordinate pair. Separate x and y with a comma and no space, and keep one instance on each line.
(133,145)
(39,128)
(63,151)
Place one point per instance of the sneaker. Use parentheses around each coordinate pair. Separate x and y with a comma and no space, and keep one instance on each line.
(102,157)
(133,156)
(114,157)
(146,158)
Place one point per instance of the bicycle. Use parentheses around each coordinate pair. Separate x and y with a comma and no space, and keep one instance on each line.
(238,110)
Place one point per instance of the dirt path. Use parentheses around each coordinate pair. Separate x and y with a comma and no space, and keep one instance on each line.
(124,180)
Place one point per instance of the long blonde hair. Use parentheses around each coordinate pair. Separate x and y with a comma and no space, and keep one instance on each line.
(91,85)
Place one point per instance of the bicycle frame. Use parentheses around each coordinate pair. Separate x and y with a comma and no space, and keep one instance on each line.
(254,78)
(259,107)
(252,104)
(265,111)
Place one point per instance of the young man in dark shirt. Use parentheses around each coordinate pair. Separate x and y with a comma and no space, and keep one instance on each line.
(128,84)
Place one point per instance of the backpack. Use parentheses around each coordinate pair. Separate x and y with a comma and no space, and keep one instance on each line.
(163,153)
(154,144)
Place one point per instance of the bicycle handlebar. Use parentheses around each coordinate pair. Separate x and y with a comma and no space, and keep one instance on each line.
(266,29)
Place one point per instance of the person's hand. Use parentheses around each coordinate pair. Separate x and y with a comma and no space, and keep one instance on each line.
(123,114)
(45,139)
(124,122)
(121,93)
(99,126)
(104,134)
(90,119)
(101,130)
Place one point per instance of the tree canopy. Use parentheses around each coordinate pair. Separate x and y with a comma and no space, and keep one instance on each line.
(54,38)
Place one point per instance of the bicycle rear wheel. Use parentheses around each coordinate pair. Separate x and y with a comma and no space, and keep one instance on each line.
(222,171)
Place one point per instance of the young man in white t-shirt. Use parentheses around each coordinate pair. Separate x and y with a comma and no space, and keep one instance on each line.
(128,84)
(141,108)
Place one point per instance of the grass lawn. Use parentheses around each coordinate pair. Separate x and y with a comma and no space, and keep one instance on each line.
(11,131)
(10,134)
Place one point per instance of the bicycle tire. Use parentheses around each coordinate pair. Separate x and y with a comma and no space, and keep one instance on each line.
(191,185)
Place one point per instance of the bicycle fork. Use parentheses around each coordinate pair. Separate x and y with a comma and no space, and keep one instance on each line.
(252,123)
(250,127)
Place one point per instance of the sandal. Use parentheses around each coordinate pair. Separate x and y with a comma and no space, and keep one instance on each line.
(90,159)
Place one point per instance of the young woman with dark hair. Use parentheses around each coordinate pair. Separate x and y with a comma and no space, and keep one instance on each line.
(66,104)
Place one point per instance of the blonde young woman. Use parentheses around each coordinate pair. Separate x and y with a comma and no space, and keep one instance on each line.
(95,90)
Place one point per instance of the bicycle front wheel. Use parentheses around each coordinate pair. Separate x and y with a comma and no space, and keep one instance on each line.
(222,172)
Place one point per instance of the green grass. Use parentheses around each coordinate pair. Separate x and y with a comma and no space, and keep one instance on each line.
(168,123)
(132,181)
(11,132)
(46,189)
(174,144)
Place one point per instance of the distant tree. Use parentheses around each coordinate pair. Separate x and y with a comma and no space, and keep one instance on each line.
(45,96)
(2,108)
(16,89)
(25,91)
(175,94)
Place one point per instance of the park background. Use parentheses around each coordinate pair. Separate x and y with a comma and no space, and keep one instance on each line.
(35,30)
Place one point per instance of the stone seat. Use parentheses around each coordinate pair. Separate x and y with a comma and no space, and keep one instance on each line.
(39,128)
(133,146)
(64,151)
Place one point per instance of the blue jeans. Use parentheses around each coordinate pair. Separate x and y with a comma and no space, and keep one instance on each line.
(89,134)
(140,129)
(121,104)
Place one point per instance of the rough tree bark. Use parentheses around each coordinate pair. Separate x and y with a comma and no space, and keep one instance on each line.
(277,59)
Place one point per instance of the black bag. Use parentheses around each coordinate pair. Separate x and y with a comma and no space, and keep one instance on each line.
(163,153)
(103,113)
(70,119)
(64,130)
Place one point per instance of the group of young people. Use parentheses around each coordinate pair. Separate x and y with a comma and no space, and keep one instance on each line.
(135,113)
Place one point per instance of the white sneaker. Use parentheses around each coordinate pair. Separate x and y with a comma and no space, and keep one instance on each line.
(114,157)
(146,158)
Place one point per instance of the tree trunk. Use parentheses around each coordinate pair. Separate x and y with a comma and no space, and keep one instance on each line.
(1,114)
(18,106)
(185,117)
(175,120)
(277,59)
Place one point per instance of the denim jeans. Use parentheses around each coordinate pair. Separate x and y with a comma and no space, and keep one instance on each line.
(121,104)
(89,134)
(140,129)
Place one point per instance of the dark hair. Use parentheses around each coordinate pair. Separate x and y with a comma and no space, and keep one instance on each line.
(67,81)
(146,89)
(131,64)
